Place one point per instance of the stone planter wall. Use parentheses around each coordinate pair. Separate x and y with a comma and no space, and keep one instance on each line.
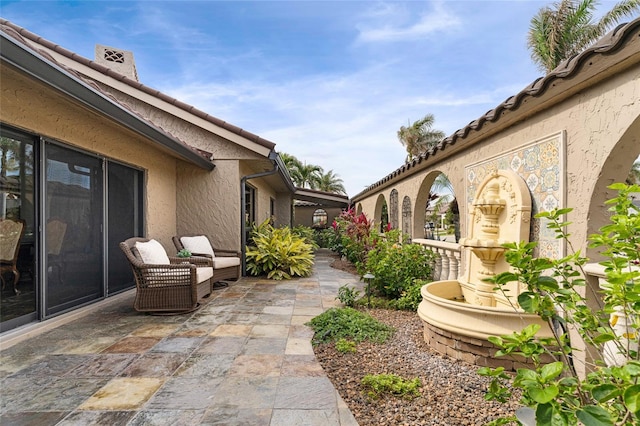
(470,350)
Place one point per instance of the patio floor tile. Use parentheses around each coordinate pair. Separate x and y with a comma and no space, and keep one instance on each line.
(123,393)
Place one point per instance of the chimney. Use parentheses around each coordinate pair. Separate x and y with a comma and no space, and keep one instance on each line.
(121,61)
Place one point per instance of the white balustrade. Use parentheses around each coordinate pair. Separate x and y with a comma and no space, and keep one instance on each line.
(447,263)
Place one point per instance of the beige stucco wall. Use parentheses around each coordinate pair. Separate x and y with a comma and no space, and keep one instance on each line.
(209,202)
(601,126)
(304,214)
(31,106)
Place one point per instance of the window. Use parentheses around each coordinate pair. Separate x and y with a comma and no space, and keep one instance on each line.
(320,218)
(250,205)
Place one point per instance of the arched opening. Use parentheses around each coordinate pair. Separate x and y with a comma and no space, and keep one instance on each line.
(359,209)
(381,212)
(622,165)
(437,199)
(320,219)
(406,217)
(393,208)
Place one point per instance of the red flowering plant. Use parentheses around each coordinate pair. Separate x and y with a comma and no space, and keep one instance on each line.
(355,236)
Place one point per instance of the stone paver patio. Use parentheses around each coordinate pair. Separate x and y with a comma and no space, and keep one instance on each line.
(244,358)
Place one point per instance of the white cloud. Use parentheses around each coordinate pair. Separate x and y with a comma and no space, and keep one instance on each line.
(390,23)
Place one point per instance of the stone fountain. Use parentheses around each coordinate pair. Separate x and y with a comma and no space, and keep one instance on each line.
(459,315)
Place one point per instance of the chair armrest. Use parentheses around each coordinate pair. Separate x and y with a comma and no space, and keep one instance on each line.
(199,261)
(227,253)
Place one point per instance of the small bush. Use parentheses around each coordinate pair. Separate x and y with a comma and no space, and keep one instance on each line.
(307,234)
(325,238)
(380,384)
(411,297)
(396,266)
(348,323)
(345,346)
(279,253)
(348,296)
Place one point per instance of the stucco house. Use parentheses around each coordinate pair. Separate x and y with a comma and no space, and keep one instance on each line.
(90,156)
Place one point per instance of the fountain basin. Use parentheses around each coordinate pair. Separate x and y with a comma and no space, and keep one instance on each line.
(441,307)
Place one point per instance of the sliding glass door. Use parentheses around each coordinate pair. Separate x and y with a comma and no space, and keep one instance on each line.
(125,219)
(18,242)
(73,228)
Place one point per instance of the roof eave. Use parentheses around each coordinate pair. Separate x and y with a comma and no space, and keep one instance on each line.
(39,68)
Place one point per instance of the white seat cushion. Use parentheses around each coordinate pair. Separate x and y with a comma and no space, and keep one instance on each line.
(152,253)
(225,262)
(203,274)
(199,244)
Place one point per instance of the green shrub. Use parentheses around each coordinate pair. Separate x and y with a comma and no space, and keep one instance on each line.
(411,297)
(325,238)
(380,384)
(348,323)
(555,393)
(355,236)
(347,296)
(279,253)
(307,234)
(396,266)
(345,346)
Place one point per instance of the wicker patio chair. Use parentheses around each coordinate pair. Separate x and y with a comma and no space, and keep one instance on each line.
(226,263)
(11,232)
(166,284)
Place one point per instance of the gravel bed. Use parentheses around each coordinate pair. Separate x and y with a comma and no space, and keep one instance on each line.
(452,392)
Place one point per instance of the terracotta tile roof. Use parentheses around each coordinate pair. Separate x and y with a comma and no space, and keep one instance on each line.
(614,41)
(28,35)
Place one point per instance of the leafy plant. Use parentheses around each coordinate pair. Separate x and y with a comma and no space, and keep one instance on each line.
(380,384)
(555,392)
(396,266)
(355,236)
(345,346)
(279,253)
(410,297)
(347,296)
(307,234)
(348,323)
(325,238)
(184,253)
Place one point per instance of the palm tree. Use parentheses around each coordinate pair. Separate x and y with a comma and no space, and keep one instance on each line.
(309,175)
(566,29)
(293,165)
(330,182)
(419,136)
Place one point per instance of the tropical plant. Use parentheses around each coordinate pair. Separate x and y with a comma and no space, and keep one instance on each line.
(307,234)
(356,236)
(559,32)
(278,252)
(419,137)
(553,392)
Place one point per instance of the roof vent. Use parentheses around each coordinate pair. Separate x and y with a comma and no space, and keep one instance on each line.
(120,61)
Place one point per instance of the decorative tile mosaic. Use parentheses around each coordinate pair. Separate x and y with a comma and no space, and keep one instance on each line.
(541,165)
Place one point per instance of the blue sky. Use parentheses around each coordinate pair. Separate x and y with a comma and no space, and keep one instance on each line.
(330,82)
